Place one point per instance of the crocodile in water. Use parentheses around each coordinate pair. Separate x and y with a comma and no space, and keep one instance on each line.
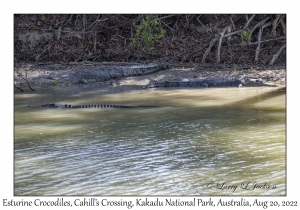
(96,106)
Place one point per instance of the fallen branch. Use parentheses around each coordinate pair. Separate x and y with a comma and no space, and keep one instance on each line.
(37,58)
(25,78)
(19,88)
(277,55)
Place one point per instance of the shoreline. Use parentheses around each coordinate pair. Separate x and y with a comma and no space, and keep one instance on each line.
(54,73)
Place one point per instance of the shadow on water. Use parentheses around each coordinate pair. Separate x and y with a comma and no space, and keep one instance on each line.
(260,98)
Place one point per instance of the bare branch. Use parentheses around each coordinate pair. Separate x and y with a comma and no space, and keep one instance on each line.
(84,22)
(162,18)
(25,78)
(257,51)
(59,32)
(248,22)
(200,21)
(93,22)
(37,58)
(95,36)
(232,22)
(167,26)
(68,21)
(283,26)
(229,30)
(232,33)
(275,24)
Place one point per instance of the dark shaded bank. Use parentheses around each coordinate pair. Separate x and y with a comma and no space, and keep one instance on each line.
(228,39)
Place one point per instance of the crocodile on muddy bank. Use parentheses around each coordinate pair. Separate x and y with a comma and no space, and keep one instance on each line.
(85,75)
(212,82)
(151,75)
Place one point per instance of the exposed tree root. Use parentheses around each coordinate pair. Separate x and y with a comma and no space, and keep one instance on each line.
(258,25)
(220,43)
(211,44)
(259,40)
(277,55)
(261,24)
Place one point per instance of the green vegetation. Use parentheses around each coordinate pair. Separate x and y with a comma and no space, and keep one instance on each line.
(246,34)
(148,32)
(209,28)
(54,83)
(234,67)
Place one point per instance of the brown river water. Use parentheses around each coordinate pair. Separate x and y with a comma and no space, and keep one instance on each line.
(214,141)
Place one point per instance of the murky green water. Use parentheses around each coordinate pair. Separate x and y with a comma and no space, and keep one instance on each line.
(200,142)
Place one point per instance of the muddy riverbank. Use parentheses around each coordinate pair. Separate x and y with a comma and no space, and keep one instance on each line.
(58,74)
